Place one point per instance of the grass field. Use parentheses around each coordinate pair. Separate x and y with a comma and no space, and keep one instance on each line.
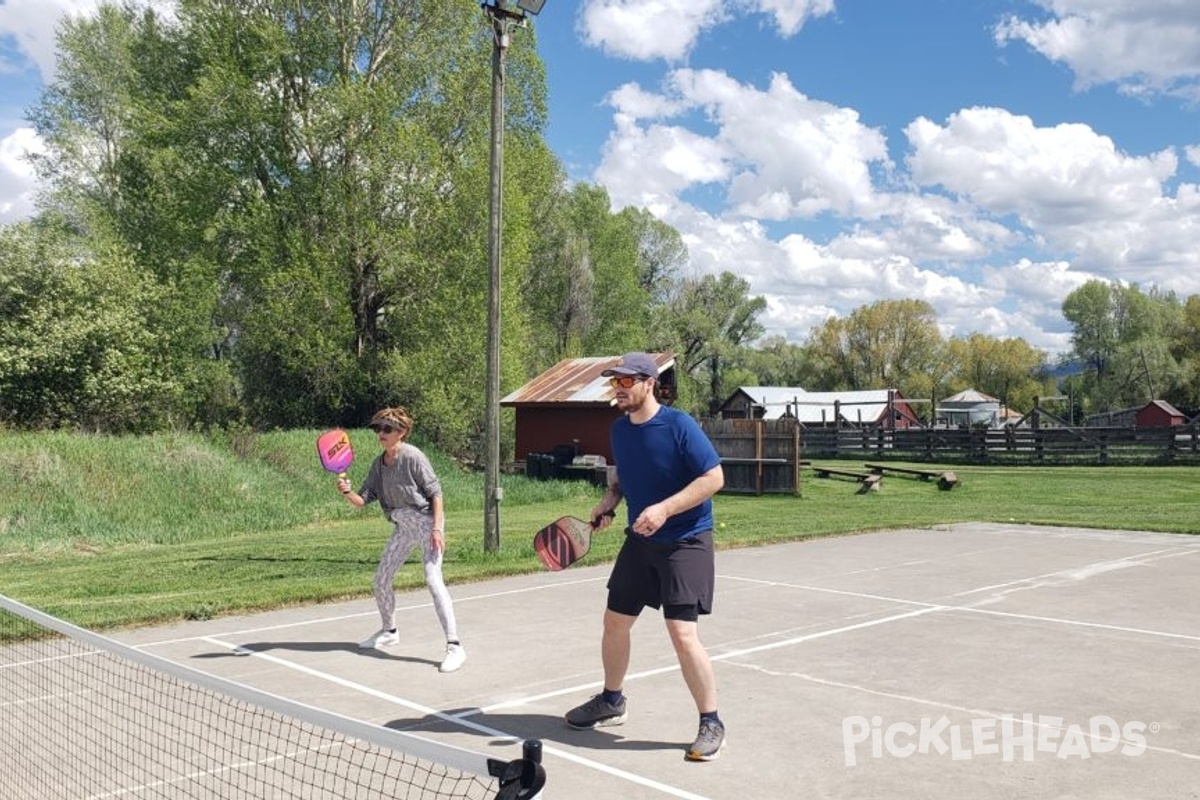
(112,532)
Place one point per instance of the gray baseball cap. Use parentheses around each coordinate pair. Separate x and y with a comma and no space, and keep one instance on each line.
(633,364)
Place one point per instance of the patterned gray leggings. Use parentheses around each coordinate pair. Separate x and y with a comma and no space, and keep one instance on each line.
(412,528)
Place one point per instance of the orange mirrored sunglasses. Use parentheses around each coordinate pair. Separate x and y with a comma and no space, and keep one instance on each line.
(624,381)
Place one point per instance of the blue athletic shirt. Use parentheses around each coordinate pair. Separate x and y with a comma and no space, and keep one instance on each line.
(658,458)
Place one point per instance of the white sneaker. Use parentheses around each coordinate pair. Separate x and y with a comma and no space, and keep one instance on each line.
(381,638)
(456,654)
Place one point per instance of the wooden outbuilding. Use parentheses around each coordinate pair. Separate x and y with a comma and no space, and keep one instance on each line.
(969,409)
(1159,414)
(568,409)
(1155,414)
(885,408)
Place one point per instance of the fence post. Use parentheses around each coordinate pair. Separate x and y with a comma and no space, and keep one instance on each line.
(796,453)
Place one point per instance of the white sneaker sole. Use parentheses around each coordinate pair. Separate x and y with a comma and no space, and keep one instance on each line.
(604,723)
(692,755)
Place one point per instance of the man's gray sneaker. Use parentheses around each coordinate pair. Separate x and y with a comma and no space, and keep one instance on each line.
(709,741)
(596,713)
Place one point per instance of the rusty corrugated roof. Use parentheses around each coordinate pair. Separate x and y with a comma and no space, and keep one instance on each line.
(575,380)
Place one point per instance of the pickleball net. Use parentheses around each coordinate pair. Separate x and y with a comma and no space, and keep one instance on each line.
(85,717)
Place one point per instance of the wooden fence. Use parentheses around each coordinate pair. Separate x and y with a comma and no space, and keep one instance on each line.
(1028,446)
(766,456)
(758,456)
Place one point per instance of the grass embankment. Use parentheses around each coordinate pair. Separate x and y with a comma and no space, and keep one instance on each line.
(120,531)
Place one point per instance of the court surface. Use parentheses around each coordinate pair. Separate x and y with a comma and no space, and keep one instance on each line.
(970,661)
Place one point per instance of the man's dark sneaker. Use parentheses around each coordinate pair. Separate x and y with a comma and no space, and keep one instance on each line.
(709,741)
(596,713)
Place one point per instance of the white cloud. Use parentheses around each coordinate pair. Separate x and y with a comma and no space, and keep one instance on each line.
(981,186)
(782,154)
(1056,175)
(17,183)
(1071,189)
(1144,47)
(790,15)
(668,29)
(635,29)
(33,25)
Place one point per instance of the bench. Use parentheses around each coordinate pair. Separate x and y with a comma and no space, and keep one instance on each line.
(945,480)
(870,480)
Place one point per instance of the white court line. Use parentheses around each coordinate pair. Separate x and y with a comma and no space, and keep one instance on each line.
(1078,623)
(457,719)
(720,657)
(973,609)
(373,613)
(974,712)
(1087,571)
(464,721)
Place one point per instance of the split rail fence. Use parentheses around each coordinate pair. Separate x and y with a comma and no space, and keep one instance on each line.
(766,456)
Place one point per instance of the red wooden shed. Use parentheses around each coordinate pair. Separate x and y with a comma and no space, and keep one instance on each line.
(571,404)
(1159,414)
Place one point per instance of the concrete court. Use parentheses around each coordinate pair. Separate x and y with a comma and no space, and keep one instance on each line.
(878,665)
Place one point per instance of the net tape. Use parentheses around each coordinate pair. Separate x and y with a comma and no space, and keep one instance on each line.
(85,717)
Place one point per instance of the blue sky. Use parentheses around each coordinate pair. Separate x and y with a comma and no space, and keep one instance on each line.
(987,156)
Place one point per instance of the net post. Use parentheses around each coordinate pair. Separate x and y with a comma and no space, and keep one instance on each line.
(523,778)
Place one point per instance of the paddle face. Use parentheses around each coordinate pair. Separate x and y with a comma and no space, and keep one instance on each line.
(564,541)
(335,451)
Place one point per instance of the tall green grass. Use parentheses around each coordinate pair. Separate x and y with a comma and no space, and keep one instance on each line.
(119,531)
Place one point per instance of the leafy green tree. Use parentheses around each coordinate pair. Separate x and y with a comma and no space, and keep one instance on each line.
(712,320)
(313,177)
(661,254)
(886,345)
(84,342)
(595,275)
(1011,370)
(1127,340)
(777,362)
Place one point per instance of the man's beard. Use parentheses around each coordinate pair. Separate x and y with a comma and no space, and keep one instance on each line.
(630,404)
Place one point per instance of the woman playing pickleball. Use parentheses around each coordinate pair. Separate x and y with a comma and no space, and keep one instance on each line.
(410,494)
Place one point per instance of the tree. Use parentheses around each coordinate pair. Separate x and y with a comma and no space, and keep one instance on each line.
(710,323)
(886,345)
(1009,369)
(777,362)
(661,254)
(595,275)
(312,174)
(83,340)
(1126,338)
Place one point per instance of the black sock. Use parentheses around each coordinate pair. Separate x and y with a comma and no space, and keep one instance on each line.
(711,716)
(611,697)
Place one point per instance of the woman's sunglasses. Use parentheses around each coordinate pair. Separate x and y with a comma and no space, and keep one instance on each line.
(385,428)
(625,381)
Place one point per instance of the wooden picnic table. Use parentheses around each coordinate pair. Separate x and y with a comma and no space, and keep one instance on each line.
(945,478)
(870,480)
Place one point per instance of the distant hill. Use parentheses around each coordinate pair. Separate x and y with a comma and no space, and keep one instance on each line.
(1065,369)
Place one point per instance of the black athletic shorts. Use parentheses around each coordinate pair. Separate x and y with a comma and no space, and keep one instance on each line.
(678,577)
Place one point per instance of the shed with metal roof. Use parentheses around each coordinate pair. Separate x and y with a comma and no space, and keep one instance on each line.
(572,404)
(865,407)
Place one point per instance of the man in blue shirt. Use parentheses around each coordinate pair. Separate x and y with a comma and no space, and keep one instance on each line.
(667,471)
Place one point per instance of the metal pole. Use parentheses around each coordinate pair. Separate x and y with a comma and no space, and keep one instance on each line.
(492,492)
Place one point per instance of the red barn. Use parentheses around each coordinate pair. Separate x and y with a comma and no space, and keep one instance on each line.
(569,406)
(1159,414)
